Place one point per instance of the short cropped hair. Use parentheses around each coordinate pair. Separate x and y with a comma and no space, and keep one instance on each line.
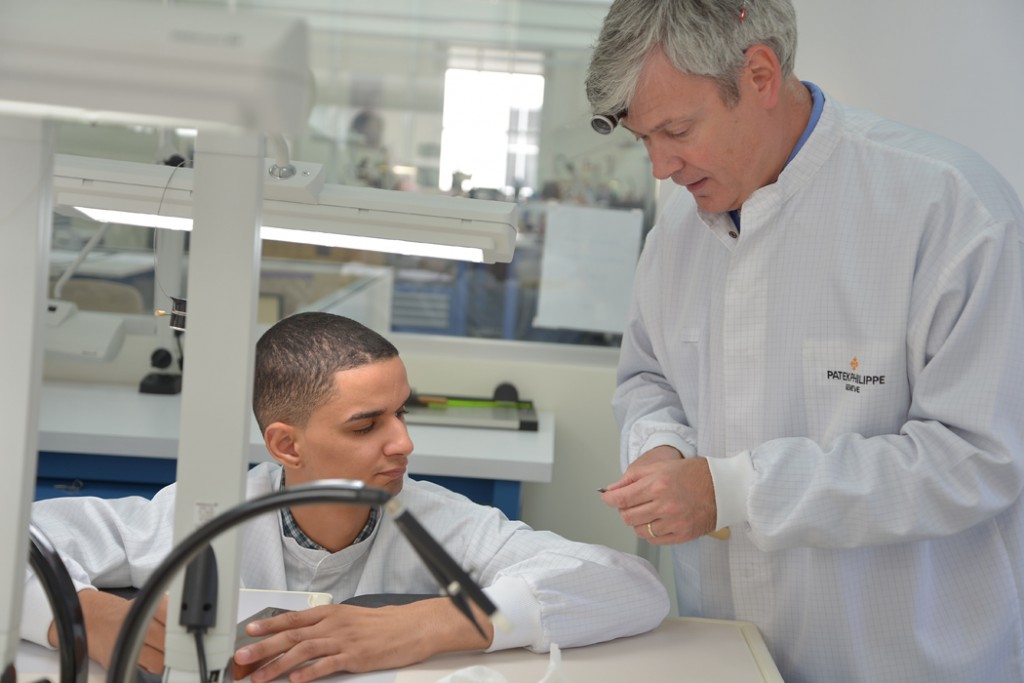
(700,37)
(297,359)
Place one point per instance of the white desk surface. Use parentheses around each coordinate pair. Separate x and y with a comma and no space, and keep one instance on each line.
(109,419)
(679,650)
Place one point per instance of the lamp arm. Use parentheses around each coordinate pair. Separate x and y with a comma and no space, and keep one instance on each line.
(455,582)
(58,287)
(67,608)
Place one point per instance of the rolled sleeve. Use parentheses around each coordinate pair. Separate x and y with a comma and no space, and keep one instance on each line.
(517,604)
(732,478)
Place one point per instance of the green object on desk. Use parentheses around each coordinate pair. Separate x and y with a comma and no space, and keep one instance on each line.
(504,411)
(442,402)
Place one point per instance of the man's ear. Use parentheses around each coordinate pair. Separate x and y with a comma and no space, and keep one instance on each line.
(282,443)
(764,72)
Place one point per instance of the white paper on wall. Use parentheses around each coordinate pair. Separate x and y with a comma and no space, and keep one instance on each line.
(587,268)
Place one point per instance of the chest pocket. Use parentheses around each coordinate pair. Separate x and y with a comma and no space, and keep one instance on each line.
(854,388)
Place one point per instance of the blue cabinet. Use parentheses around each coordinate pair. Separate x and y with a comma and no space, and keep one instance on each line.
(77,474)
(74,474)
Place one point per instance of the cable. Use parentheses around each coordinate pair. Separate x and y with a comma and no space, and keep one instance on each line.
(199,602)
(181,350)
(159,206)
(67,608)
(204,676)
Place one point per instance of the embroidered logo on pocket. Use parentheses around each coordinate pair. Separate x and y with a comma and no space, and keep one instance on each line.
(853,381)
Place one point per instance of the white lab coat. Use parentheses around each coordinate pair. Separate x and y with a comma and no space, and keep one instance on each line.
(553,590)
(852,365)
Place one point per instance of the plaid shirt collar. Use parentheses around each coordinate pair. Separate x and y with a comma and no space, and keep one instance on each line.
(291,527)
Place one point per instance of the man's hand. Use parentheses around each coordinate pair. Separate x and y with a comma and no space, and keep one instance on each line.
(332,638)
(667,499)
(104,614)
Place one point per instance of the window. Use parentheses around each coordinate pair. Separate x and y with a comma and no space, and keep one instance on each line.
(490,123)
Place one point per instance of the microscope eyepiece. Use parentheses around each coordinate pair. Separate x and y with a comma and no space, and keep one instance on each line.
(605,123)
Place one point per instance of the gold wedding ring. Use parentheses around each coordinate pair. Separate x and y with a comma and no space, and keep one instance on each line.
(651,531)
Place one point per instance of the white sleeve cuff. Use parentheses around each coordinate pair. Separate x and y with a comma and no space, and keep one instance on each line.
(517,605)
(36,615)
(732,478)
(669,439)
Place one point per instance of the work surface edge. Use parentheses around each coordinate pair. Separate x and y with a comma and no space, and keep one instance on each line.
(116,420)
(680,649)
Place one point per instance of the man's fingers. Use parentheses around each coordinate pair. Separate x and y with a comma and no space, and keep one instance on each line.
(160,614)
(151,659)
(268,648)
(155,633)
(286,621)
(660,537)
(325,666)
(296,655)
(640,514)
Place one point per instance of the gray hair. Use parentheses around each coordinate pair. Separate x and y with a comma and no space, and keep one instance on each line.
(699,37)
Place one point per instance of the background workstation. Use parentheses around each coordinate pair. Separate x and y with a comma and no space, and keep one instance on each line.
(948,67)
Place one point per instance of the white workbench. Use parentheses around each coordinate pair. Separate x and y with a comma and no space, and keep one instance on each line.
(116,420)
(704,650)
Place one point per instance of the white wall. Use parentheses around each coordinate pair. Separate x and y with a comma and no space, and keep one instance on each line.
(576,384)
(950,67)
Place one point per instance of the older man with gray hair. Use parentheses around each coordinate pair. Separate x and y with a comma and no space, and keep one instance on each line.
(822,365)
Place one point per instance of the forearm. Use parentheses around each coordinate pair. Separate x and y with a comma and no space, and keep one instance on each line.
(330,638)
(576,596)
(441,627)
(36,615)
(650,416)
(924,484)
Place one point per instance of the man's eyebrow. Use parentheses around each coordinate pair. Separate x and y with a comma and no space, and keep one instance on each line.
(370,414)
(364,415)
(664,124)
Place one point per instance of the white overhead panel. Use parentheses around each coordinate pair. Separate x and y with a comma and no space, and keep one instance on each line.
(510,24)
(114,61)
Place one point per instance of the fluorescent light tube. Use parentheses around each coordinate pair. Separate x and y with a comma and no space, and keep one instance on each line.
(324,239)
(392,246)
(299,209)
(143,220)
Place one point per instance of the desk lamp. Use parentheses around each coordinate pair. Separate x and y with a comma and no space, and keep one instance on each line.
(226,74)
(454,582)
(233,76)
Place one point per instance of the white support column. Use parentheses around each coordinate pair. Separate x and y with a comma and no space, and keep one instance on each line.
(216,404)
(26,220)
